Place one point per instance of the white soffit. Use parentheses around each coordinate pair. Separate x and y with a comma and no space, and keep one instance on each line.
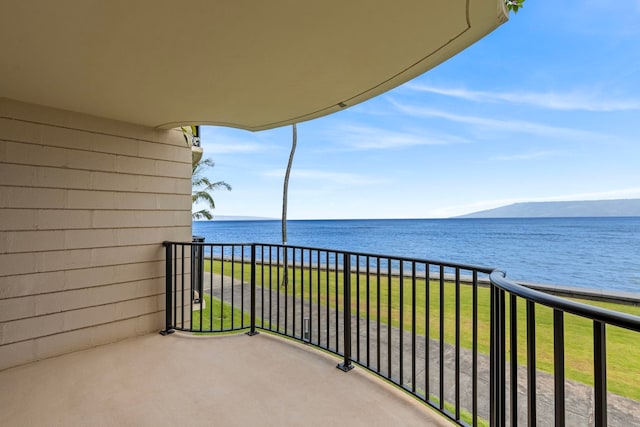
(248,64)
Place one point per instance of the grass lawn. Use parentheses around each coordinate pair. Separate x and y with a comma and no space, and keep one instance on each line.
(623,346)
(230,317)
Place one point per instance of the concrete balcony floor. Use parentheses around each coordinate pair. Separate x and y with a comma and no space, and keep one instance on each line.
(231,380)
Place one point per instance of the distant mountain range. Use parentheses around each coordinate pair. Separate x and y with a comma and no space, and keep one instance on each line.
(586,208)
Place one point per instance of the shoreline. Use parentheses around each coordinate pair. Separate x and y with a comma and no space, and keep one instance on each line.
(589,294)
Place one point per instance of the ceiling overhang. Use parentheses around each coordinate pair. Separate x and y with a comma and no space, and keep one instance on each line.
(247,64)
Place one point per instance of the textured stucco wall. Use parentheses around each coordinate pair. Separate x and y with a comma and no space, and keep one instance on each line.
(85,204)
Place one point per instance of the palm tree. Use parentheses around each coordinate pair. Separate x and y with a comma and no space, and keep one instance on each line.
(202,187)
(285,191)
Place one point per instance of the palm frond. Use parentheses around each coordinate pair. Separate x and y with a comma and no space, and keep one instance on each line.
(201,187)
(201,214)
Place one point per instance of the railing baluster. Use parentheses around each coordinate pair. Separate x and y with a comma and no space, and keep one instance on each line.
(262,281)
(600,372)
(378,313)
(222,289)
(358,309)
(474,350)
(558,366)
(253,291)
(502,357)
(337,311)
(200,285)
(233,280)
(441,338)
(513,351)
(270,288)
(326,284)
(497,364)
(368,272)
(285,281)
(493,357)
(427,332)
(278,248)
(413,327)
(311,277)
(175,286)
(318,301)
(242,260)
(168,302)
(191,284)
(301,292)
(457,358)
(183,288)
(346,298)
(401,323)
(293,293)
(531,363)
(389,353)
(211,290)
(310,303)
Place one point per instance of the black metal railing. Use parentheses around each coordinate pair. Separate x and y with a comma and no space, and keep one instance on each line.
(438,330)
(601,319)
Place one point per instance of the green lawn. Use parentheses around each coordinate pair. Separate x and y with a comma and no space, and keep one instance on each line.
(623,346)
(224,316)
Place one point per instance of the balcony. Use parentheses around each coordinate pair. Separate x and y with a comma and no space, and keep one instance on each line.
(179,380)
(462,339)
(432,343)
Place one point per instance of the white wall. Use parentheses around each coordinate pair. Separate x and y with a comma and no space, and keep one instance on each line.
(85,204)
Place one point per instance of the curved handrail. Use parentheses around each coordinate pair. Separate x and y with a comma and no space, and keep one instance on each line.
(478,268)
(623,320)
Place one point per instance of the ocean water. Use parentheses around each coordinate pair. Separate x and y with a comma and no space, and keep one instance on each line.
(596,253)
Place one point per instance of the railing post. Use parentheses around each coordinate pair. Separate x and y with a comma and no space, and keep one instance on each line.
(531,363)
(493,401)
(253,331)
(558,367)
(513,351)
(600,372)
(169,288)
(346,299)
(502,379)
(497,357)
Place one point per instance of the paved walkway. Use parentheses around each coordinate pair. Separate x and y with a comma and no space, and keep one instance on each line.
(579,397)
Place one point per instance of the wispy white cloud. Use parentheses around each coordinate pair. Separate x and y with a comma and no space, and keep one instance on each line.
(342,178)
(582,100)
(360,138)
(223,141)
(226,148)
(622,193)
(526,156)
(511,125)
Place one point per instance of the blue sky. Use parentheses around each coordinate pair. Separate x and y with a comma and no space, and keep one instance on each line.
(545,108)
